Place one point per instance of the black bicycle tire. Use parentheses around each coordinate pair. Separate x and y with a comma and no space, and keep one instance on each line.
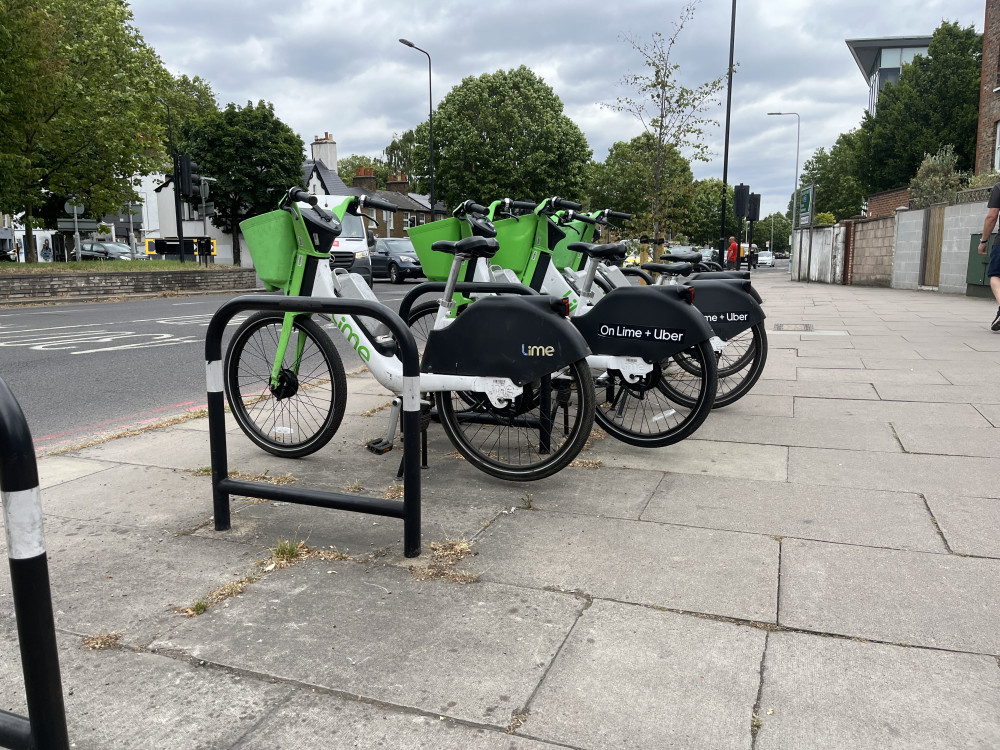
(698,407)
(237,354)
(558,459)
(753,373)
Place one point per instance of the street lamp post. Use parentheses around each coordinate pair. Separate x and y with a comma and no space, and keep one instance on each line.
(177,182)
(430,114)
(795,203)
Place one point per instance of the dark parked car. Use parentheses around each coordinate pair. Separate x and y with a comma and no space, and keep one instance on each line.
(109,251)
(396,260)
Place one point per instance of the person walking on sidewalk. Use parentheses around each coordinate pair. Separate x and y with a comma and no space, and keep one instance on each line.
(733,255)
(993,272)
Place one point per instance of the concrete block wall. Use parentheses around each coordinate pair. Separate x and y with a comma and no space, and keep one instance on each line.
(873,251)
(908,249)
(960,223)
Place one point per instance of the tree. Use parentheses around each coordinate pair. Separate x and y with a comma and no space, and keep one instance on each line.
(348,167)
(935,103)
(78,114)
(706,204)
(253,156)
(503,134)
(625,179)
(782,227)
(672,114)
(838,191)
(937,180)
(399,158)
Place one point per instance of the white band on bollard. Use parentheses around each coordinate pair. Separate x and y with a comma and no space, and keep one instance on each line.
(213,374)
(411,394)
(22,515)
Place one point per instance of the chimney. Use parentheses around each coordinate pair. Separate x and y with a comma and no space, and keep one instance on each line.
(325,150)
(364,177)
(398,183)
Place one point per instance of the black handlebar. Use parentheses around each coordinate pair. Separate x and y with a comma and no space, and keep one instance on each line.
(576,215)
(369,201)
(563,203)
(475,208)
(618,215)
(524,205)
(297,194)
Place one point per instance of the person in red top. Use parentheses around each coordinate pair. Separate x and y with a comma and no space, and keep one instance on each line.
(732,256)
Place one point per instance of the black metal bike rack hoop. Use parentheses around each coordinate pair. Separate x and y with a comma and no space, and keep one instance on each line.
(408,509)
(45,726)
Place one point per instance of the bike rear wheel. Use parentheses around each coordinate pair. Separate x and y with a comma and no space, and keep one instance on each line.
(303,411)
(663,408)
(740,365)
(535,436)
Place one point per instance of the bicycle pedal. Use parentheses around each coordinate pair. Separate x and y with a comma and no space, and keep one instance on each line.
(380,446)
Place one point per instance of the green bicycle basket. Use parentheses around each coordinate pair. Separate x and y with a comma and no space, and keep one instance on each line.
(270,239)
(435,265)
(516,237)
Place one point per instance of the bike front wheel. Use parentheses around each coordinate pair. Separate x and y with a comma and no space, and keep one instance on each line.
(739,365)
(662,408)
(536,435)
(301,412)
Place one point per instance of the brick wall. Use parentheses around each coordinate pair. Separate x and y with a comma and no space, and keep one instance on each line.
(881,205)
(989,101)
(873,247)
(87,285)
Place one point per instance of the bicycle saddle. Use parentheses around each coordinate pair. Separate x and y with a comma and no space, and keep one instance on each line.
(610,251)
(473,247)
(673,269)
(682,256)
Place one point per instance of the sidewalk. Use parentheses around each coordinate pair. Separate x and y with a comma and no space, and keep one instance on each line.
(818,567)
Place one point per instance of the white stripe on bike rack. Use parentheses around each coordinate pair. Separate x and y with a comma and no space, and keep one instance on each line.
(411,394)
(22,512)
(213,374)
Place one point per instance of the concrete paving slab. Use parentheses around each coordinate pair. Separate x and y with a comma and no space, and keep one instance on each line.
(728,426)
(816,389)
(956,441)
(942,394)
(849,361)
(913,598)
(632,677)
(313,720)
(878,519)
(884,363)
(777,405)
(905,377)
(837,694)
(116,579)
(698,570)
(902,472)
(121,699)
(968,523)
(990,412)
(693,456)
(55,470)
(474,653)
(945,415)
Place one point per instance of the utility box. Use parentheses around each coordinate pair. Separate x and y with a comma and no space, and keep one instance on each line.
(977,283)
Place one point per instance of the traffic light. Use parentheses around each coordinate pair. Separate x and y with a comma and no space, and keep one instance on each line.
(190,180)
(741,200)
(753,212)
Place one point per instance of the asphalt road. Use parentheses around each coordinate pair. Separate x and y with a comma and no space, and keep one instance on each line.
(80,370)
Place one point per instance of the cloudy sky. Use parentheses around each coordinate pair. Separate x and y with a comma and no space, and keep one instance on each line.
(337,67)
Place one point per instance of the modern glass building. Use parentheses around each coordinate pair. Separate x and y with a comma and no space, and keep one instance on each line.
(882,59)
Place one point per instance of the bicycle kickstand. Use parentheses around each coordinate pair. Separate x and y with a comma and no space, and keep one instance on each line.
(384,444)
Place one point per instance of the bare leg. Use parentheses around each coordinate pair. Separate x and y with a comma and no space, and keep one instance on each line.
(995,287)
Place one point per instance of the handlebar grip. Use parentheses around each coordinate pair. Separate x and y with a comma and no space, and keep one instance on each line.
(563,203)
(475,208)
(527,205)
(367,201)
(619,215)
(580,216)
(298,194)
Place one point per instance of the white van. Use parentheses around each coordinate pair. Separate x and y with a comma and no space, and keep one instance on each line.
(352,250)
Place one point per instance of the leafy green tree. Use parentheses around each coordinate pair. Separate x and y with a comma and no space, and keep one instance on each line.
(78,111)
(348,167)
(253,156)
(399,158)
(625,179)
(672,114)
(838,191)
(935,103)
(937,179)
(704,222)
(503,134)
(824,218)
(782,231)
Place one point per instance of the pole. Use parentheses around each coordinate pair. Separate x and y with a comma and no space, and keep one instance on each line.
(131,234)
(430,115)
(177,181)
(76,234)
(725,158)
